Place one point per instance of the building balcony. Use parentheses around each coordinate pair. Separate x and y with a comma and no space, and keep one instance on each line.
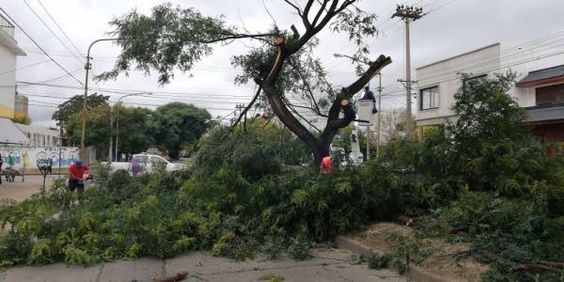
(546,114)
(7,37)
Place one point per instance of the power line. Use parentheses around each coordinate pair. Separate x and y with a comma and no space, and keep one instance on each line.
(516,52)
(25,67)
(50,30)
(61,76)
(39,46)
(60,29)
(187,100)
(127,91)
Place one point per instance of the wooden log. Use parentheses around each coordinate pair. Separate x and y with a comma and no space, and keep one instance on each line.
(406,220)
(178,277)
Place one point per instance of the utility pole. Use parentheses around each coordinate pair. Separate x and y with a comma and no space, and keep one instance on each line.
(60,146)
(379,115)
(368,143)
(408,14)
(110,149)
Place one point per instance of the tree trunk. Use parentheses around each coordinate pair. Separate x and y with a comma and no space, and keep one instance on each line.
(319,152)
(319,146)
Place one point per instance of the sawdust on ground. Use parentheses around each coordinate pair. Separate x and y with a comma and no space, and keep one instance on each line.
(444,261)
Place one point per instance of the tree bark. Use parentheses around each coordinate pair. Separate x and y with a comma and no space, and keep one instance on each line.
(319,146)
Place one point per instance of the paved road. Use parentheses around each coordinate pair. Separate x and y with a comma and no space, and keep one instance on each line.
(328,265)
(19,190)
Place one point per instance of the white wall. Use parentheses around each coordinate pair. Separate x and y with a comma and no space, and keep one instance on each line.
(7,78)
(26,158)
(487,60)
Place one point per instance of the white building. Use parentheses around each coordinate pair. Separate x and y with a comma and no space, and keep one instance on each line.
(41,136)
(9,51)
(539,87)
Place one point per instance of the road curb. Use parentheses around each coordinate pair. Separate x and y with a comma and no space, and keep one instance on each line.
(414,272)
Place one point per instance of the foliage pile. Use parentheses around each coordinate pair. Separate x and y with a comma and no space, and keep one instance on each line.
(227,205)
(491,181)
(484,178)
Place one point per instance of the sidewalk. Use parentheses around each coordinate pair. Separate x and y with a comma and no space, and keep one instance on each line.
(328,265)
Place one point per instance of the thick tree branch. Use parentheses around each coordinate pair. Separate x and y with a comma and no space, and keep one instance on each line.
(374,68)
(276,101)
(227,37)
(305,16)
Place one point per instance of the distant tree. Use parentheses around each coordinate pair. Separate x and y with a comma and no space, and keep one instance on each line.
(393,122)
(283,66)
(264,149)
(74,105)
(135,129)
(176,124)
(98,132)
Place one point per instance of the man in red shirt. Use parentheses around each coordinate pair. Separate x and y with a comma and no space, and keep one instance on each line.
(77,174)
(327,166)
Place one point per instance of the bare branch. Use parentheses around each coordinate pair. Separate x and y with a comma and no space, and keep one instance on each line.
(290,106)
(295,7)
(310,92)
(311,32)
(268,120)
(247,108)
(269,14)
(320,12)
(345,5)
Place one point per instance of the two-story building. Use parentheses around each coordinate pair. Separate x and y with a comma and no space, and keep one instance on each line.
(539,89)
(9,51)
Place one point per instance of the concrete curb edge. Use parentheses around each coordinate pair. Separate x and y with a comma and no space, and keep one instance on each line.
(414,272)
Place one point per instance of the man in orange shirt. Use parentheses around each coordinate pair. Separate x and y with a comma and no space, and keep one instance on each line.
(77,174)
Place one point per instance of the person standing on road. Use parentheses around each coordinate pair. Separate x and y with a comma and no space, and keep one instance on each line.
(78,172)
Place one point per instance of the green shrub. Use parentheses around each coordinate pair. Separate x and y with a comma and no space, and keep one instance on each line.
(260,150)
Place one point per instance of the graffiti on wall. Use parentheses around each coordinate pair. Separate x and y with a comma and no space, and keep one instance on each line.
(22,157)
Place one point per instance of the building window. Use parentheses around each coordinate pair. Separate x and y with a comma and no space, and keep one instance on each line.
(548,95)
(429,98)
(478,79)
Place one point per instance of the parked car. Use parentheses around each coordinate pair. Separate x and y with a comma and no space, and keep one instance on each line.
(145,163)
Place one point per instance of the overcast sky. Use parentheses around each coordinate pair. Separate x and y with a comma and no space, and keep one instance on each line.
(451,27)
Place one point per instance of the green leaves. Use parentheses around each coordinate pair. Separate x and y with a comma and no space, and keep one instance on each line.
(178,124)
(170,38)
(68,109)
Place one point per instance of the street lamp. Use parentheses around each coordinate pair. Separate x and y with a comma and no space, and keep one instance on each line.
(117,118)
(87,67)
